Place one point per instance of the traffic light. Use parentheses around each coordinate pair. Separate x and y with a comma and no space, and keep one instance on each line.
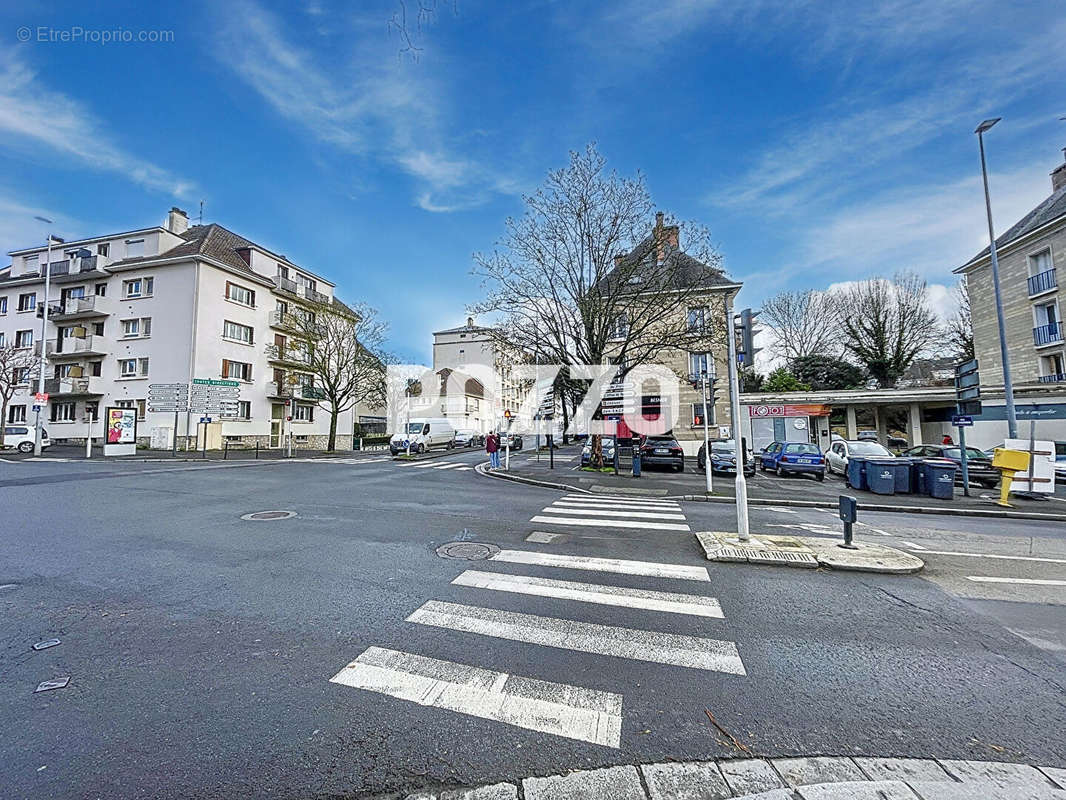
(744,323)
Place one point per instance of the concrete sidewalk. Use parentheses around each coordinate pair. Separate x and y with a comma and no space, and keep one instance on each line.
(816,778)
(807,551)
(763,489)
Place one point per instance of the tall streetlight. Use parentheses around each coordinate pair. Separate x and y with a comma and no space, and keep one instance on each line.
(1008,385)
(39,424)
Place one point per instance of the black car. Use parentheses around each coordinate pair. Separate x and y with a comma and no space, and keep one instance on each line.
(662,451)
(978,465)
(724,458)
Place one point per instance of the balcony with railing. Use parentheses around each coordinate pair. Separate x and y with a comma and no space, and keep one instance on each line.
(79,307)
(1044,335)
(49,349)
(74,387)
(75,346)
(315,296)
(283,284)
(289,355)
(300,392)
(280,319)
(1043,282)
(1054,377)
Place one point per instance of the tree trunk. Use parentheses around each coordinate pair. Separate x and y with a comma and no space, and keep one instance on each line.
(566,420)
(331,445)
(3,422)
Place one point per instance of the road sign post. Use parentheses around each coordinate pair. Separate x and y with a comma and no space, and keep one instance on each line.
(968,402)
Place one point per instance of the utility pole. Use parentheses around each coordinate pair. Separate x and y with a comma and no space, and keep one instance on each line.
(743,532)
(43,364)
(1008,385)
(706,431)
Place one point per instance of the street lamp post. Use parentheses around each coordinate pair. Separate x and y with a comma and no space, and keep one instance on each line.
(743,531)
(43,364)
(1008,386)
(706,432)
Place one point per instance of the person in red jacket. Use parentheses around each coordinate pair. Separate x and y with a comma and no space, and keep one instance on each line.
(947,439)
(492,447)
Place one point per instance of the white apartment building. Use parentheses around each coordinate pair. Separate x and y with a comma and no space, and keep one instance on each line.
(167,305)
(472,353)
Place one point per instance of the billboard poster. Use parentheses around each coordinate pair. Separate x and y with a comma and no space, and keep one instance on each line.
(121,425)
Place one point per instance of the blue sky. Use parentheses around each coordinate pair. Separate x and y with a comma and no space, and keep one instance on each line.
(819,142)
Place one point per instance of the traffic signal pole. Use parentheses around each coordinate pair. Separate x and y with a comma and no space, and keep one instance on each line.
(706,432)
(743,532)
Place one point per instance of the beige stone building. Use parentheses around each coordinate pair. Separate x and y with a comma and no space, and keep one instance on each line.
(702,291)
(1029,254)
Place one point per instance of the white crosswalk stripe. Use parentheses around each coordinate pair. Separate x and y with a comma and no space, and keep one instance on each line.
(614,511)
(585,637)
(647,568)
(571,711)
(695,605)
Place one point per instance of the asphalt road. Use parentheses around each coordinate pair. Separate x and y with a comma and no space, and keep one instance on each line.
(200,646)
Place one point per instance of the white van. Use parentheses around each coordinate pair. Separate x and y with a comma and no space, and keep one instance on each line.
(423,434)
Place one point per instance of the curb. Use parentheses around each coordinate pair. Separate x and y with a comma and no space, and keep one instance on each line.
(957,512)
(805,552)
(760,501)
(808,778)
(431,454)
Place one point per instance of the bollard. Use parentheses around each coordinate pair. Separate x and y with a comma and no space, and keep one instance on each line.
(636,462)
(257,450)
(225,450)
(848,513)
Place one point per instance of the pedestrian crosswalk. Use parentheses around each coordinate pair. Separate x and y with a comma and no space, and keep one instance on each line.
(614,511)
(458,466)
(571,621)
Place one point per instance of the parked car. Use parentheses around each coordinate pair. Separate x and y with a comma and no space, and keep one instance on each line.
(512,440)
(724,458)
(866,436)
(836,457)
(979,466)
(786,458)
(423,434)
(662,451)
(468,438)
(607,446)
(23,437)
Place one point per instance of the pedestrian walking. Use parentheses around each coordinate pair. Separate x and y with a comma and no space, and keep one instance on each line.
(492,447)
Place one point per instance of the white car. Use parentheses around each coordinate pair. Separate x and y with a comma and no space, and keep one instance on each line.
(836,457)
(22,438)
(422,434)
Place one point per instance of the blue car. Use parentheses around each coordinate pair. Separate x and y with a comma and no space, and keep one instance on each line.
(787,458)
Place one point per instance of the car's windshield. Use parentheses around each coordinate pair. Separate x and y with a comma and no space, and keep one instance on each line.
(414,427)
(802,448)
(606,441)
(971,452)
(723,447)
(868,449)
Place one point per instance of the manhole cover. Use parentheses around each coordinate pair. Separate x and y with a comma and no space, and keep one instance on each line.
(467,551)
(265,516)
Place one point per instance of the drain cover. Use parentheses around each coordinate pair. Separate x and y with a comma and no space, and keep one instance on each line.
(467,551)
(264,516)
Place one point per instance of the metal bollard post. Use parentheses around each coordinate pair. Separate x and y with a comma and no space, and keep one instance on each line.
(849,508)
(551,451)
(225,450)
(636,462)
(257,450)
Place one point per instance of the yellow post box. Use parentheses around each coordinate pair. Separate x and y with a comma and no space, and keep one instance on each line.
(1008,462)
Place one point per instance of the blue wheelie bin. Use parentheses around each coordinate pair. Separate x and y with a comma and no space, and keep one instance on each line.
(881,475)
(940,479)
(855,477)
(901,468)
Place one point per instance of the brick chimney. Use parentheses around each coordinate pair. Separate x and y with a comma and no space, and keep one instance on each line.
(470,322)
(1058,175)
(618,259)
(665,236)
(177,221)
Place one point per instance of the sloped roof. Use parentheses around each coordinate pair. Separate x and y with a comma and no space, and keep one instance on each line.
(686,271)
(212,241)
(1051,209)
(464,329)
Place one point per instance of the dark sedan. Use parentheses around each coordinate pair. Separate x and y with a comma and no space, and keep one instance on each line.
(662,451)
(724,458)
(978,465)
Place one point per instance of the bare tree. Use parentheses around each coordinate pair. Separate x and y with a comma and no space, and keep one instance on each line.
(422,14)
(17,366)
(887,324)
(338,355)
(578,278)
(803,323)
(959,328)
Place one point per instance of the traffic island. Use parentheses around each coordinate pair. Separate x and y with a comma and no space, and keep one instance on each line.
(808,552)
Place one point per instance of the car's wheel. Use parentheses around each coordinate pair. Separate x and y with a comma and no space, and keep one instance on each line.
(762,465)
(820,476)
(421,448)
(780,472)
(990,484)
(25,447)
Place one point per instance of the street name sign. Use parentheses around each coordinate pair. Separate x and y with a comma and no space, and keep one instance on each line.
(961,420)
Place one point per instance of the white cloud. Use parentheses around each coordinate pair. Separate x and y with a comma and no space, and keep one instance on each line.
(375,105)
(35,117)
